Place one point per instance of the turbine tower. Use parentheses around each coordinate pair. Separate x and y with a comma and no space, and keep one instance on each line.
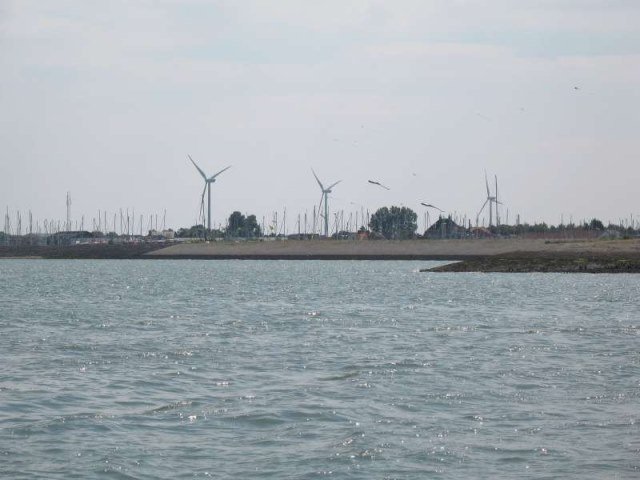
(324,198)
(207,188)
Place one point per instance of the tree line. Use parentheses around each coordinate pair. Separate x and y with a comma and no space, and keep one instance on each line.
(400,223)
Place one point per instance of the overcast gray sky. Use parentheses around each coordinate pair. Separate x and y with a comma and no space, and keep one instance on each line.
(105,99)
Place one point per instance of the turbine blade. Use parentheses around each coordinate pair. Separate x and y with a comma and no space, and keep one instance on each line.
(428,205)
(333,185)
(197,167)
(496,187)
(483,205)
(379,184)
(320,204)
(317,179)
(224,169)
(487,183)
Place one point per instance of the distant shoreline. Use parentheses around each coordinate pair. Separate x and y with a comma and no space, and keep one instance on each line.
(471,255)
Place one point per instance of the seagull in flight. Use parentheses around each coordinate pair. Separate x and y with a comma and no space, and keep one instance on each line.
(379,184)
(428,205)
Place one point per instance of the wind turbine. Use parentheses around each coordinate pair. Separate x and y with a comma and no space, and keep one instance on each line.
(325,198)
(491,200)
(207,188)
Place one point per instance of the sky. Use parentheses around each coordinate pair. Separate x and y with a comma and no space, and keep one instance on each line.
(105,100)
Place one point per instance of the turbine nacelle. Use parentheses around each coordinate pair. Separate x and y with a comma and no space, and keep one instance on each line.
(329,189)
(213,177)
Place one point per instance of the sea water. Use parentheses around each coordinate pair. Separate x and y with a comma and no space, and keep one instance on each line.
(311,369)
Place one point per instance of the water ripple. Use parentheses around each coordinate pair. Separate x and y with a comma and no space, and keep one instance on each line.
(312,369)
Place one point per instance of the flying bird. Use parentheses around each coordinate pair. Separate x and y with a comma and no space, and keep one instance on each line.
(428,205)
(379,184)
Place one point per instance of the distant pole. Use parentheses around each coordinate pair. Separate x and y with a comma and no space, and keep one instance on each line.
(284,222)
(68,227)
(314,219)
(326,214)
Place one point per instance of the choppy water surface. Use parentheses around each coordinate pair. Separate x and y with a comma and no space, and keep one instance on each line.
(184,369)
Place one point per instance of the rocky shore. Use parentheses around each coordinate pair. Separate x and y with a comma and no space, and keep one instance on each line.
(522,262)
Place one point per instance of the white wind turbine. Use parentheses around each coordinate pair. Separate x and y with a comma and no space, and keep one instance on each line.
(207,188)
(491,200)
(324,198)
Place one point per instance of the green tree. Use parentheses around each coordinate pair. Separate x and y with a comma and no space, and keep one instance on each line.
(235,225)
(252,228)
(197,231)
(241,226)
(596,224)
(394,222)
